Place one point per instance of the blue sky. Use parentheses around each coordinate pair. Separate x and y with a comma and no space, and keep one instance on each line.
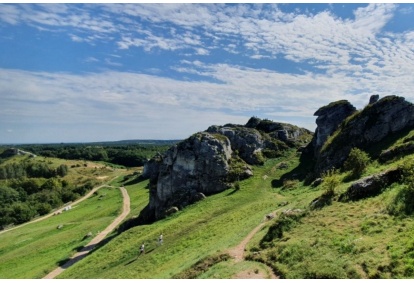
(105,72)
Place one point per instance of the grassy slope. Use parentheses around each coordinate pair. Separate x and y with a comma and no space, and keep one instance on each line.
(357,239)
(344,240)
(203,229)
(35,249)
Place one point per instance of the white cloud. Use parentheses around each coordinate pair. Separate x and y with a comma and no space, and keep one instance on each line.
(342,59)
(157,107)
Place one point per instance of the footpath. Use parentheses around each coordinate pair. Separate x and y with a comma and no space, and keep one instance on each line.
(84,252)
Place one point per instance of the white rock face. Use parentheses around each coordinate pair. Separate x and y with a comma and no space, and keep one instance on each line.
(197,165)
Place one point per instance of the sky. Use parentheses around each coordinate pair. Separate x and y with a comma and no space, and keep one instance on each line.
(107,72)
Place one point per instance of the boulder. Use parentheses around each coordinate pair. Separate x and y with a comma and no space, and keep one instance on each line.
(371,185)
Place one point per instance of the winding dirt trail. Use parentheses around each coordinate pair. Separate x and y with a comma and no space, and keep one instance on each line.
(58,210)
(84,252)
(238,254)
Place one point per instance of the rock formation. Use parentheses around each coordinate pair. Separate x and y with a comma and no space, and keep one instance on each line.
(328,121)
(209,162)
(376,121)
(199,164)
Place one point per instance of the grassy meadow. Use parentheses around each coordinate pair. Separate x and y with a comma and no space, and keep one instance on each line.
(201,230)
(342,239)
(35,249)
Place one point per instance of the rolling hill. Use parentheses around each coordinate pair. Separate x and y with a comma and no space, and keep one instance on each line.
(284,202)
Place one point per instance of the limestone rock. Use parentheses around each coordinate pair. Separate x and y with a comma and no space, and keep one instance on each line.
(208,162)
(328,121)
(388,115)
(195,167)
(371,185)
(248,142)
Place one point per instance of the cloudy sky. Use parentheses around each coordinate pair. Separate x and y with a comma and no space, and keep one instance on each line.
(107,72)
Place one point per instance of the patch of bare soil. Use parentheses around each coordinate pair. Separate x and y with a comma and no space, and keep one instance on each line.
(251,274)
(102,177)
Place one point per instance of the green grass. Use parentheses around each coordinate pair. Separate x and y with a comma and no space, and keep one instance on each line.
(204,229)
(357,239)
(343,240)
(36,249)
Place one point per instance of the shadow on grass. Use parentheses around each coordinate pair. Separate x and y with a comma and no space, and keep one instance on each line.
(233,192)
(138,256)
(134,181)
(302,172)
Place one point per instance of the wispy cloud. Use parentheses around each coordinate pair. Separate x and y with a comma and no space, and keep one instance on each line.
(336,58)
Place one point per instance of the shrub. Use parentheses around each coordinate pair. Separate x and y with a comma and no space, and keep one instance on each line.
(356,162)
(403,202)
(330,182)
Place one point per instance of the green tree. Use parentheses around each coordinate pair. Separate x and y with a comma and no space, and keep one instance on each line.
(62,170)
(8,195)
(43,208)
(22,212)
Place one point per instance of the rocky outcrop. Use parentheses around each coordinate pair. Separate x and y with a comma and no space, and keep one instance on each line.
(248,142)
(373,99)
(281,131)
(209,162)
(199,164)
(152,167)
(260,138)
(328,121)
(376,121)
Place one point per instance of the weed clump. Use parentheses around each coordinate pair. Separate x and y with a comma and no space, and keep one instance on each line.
(330,182)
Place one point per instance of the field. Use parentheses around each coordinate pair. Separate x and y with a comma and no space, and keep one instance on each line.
(356,239)
(35,249)
(202,230)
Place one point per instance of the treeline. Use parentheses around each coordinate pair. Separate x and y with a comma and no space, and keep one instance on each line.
(31,188)
(126,155)
(25,198)
(31,170)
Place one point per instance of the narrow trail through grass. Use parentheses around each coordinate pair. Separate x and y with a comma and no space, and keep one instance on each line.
(84,252)
(60,209)
(238,252)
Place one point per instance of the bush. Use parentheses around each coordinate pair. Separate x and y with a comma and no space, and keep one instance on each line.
(357,162)
(330,182)
(403,202)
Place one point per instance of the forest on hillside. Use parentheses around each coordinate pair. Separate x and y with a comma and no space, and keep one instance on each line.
(33,185)
(122,153)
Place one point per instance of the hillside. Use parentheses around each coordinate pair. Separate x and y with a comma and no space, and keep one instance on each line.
(338,204)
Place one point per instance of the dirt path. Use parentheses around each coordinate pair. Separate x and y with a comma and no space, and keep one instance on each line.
(84,252)
(58,210)
(238,254)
